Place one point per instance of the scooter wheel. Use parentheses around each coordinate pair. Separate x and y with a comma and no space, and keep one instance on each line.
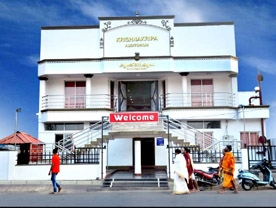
(246,186)
(273,184)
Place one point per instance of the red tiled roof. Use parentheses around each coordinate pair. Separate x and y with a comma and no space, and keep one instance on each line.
(21,138)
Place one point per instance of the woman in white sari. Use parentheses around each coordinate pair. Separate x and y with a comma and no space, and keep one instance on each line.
(180,174)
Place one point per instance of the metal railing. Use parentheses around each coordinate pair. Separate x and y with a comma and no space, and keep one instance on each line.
(44,155)
(207,156)
(78,101)
(256,153)
(196,99)
(85,137)
(95,134)
(110,102)
(188,134)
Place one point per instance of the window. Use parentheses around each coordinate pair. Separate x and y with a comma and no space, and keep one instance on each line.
(249,138)
(204,139)
(202,92)
(74,126)
(75,94)
(63,126)
(54,127)
(204,124)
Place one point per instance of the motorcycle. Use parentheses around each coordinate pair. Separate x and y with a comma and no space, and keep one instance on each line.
(208,178)
(248,179)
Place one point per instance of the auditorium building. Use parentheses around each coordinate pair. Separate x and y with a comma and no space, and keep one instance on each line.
(139,85)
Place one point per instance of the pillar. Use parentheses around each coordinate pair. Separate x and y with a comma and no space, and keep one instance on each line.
(185,98)
(137,158)
(88,90)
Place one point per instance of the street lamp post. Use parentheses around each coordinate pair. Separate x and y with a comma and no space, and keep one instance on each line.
(168,146)
(18,110)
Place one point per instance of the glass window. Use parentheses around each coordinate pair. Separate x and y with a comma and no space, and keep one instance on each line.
(74,126)
(202,92)
(204,124)
(249,138)
(75,94)
(195,124)
(62,126)
(54,126)
(212,125)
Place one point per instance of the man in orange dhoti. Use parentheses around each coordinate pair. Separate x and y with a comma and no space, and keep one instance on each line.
(228,167)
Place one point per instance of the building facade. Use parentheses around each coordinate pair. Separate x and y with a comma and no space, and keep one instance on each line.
(137,85)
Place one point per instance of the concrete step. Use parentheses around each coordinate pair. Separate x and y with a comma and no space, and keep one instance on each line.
(131,184)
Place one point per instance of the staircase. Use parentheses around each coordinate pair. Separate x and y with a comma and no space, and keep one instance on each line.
(136,184)
(178,132)
(125,180)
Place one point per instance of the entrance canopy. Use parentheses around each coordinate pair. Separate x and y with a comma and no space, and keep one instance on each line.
(20,138)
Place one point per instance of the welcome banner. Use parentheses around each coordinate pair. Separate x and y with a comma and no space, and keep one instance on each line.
(134,117)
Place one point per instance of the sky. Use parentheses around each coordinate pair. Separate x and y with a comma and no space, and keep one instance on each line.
(21,22)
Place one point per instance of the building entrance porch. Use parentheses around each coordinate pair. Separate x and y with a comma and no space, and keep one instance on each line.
(138,96)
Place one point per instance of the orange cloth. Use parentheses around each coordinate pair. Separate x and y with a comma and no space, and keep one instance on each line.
(189,164)
(55,163)
(228,167)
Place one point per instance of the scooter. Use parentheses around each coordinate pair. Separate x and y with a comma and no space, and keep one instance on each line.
(208,178)
(248,180)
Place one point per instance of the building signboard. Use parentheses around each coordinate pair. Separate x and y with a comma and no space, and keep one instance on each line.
(134,117)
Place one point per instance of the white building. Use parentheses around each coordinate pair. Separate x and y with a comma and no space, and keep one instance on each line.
(144,65)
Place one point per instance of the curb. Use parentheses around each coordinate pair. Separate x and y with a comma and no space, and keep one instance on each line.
(77,186)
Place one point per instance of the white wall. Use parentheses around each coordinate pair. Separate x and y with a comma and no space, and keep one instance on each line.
(7,164)
(120,152)
(208,40)
(161,153)
(67,172)
(69,43)
(11,171)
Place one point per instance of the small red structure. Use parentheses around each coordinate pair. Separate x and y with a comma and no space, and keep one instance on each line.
(31,149)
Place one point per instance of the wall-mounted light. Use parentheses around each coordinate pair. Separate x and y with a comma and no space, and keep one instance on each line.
(257,89)
(171,42)
(137,56)
(101,43)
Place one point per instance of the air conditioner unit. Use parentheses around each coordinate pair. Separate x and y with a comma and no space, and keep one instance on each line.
(225,137)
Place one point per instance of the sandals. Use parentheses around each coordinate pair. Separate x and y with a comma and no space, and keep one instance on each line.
(221,191)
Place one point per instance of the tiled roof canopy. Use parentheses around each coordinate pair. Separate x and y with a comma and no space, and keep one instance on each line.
(21,138)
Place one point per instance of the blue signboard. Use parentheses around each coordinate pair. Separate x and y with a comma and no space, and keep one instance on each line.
(160,141)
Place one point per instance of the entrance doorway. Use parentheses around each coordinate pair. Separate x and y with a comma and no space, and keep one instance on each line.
(138,95)
(147,153)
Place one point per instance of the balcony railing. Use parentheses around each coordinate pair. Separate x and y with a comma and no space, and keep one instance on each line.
(78,101)
(165,101)
(196,99)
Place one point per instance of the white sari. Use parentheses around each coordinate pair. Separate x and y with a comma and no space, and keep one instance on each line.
(180,173)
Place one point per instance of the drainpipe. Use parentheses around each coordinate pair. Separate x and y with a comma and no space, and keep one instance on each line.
(253,97)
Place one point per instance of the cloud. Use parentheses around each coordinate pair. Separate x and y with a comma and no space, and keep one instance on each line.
(265,65)
(94,9)
(31,60)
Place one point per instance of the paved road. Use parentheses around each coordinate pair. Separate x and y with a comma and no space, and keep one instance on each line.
(93,198)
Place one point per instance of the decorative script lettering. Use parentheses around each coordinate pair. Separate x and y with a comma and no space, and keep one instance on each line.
(130,41)
(136,66)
